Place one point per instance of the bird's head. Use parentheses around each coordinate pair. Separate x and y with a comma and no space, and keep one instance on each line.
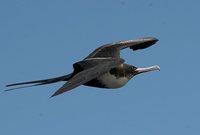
(135,70)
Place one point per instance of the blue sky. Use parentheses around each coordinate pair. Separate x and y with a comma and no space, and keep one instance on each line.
(43,38)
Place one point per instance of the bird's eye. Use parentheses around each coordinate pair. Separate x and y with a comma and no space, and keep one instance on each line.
(133,68)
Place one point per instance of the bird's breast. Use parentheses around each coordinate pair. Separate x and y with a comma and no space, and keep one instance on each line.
(111,81)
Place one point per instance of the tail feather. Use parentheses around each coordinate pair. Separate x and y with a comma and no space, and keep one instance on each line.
(21,87)
(38,82)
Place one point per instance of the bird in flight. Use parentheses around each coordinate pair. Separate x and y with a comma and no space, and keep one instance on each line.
(102,68)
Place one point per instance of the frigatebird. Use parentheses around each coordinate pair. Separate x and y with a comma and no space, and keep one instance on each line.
(102,68)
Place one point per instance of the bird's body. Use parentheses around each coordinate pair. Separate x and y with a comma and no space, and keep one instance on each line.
(111,81)
(115,78)
(107,80)
(103,68)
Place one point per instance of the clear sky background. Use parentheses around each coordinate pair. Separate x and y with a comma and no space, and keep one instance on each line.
(42,38)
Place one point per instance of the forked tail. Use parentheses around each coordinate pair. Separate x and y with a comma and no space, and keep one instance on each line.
(38,82)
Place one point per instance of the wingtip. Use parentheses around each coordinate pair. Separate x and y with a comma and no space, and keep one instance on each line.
(151,39)
(155,39)
(52,96)
(55,94)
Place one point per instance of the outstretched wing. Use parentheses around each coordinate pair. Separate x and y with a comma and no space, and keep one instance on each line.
(113,49)
(89,74)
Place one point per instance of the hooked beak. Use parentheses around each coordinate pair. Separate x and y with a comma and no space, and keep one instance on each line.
(148,69)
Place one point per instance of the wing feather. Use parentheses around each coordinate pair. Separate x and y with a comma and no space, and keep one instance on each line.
(89,74)
(113,49)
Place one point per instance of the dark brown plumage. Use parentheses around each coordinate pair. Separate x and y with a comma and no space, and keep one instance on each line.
(102,68)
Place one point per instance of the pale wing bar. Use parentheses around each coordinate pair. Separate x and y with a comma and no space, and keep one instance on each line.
(113,49)
(137,43)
